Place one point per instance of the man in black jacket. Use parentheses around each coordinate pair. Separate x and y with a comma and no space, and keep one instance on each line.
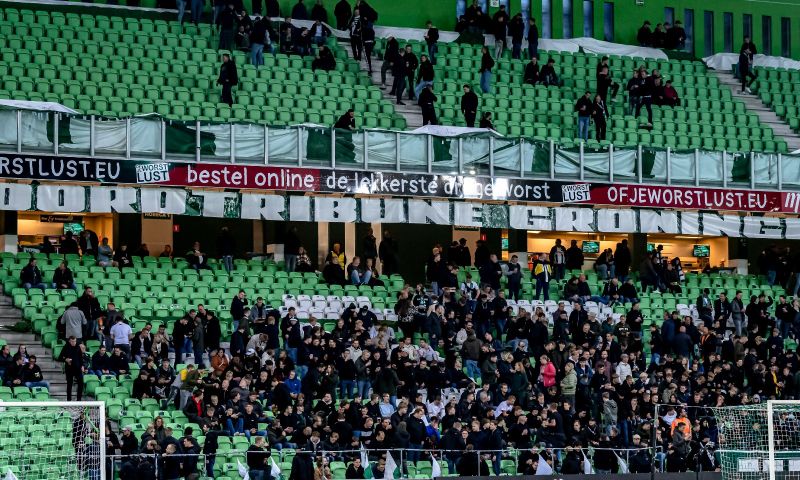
(516,29)
(410,64)
(427,102)
(228,78)
(302,466)
(31,276)
(644,36)
(342,12)
(469,108)
(390,55)
(431,39)
(399,73)
(425,75)
(533,38)
(645,93)
(584,109)
(72,357)
(355,27)
(531,76)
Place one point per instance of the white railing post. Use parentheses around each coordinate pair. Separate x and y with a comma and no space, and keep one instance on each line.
(669,166)
(198,139)
(366,148)
(696,167)
(780,171)
(19,131)
(397,149)
(639,153)
(128,137)
(333,148)
(163,141)
(300,146)
(233,143)
(580,166)
(724,168)
(429,152)
(92,138)
(611,162)
(491,156)
(552,155)
(266,145)
(752,170)
(460,160)
(521,157)
(56,120)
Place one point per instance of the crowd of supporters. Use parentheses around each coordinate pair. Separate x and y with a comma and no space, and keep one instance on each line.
(479,375)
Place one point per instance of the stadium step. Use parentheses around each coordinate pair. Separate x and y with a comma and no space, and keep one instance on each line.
(765,114)
(410,111)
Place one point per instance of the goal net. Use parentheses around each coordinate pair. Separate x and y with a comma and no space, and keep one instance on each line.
(760,441)
(52,440)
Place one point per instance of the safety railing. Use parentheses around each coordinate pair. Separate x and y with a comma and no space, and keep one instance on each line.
(483,154)
(406,462)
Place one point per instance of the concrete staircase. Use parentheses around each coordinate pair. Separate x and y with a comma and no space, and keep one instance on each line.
(410,111)
(754,104)
(51,370)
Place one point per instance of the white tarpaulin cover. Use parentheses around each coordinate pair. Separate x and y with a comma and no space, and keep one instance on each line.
(592,45)
(39,106)
(450,131)
(726,61)
(380,32)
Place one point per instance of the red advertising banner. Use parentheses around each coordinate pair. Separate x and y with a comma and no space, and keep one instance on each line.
(243,177)
(692,198)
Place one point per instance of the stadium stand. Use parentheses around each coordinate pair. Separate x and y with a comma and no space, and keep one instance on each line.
(709,117)
(118,67)
(775,87)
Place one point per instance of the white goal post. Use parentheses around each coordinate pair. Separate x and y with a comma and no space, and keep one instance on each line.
(53,440)
(760,441)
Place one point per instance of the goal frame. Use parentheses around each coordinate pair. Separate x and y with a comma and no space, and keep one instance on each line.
(101,427)
(771,432)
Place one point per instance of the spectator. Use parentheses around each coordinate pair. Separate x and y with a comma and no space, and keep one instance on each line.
(32,375)
(659,37)
(746,69)
(644,95)
(226,245)
(226,23)
(676,36)
(425,76)
(548,74)
(516,30)
(105,254)
(432,39)
(355,27)
(121,335)
(325,60)
(427,102)
(487,63)
(74,366)
(604,81)
(318,12)
(599,115)
(346,121)
(31,276)
(342,12)
(533,38)
(74,321)
(410,64)
(228,78)
(486,121)
(585,111)
(573,257)
(469,107)
(356,274)
(69,245)
(197,259)
(399,74)
(299,11)
(500,31)
(644,35)
(166,253)
(542,272)
(670,97)
(531,76)
(390,56)
(368,39)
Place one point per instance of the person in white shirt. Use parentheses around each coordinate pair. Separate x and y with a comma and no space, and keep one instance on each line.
(121,335)
(435,408)
(424,351)
(505,406)
(623,368)
(386,407)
